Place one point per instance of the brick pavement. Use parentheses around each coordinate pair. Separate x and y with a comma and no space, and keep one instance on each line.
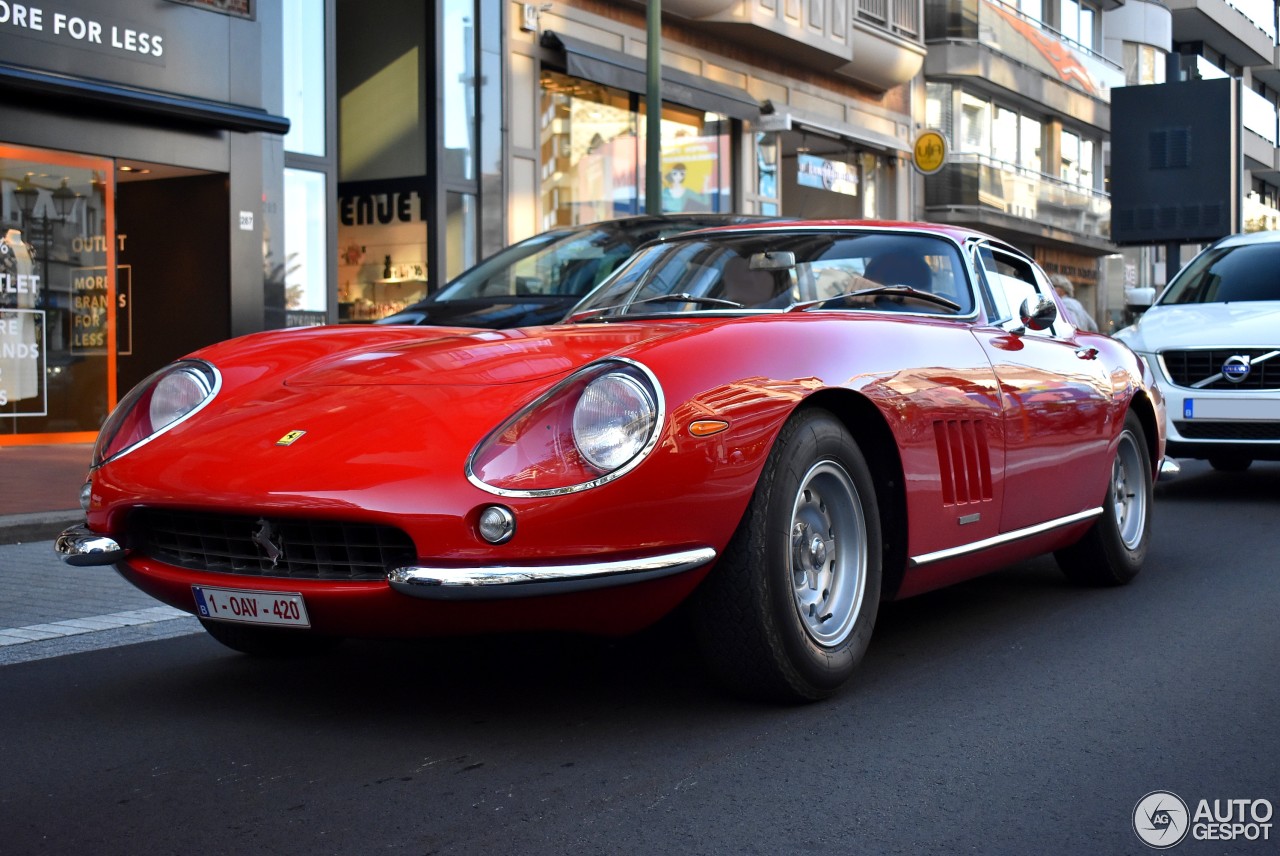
(40,490)
(48,608)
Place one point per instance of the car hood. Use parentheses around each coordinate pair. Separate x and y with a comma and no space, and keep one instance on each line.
(1251,324)
(425,356)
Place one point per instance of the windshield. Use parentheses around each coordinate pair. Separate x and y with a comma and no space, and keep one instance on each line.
(779,269)
(560,262)
(1227,275)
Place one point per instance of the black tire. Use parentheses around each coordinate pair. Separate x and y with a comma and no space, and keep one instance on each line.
(1113,550)
(787,613)
(268,641)
(1230,463)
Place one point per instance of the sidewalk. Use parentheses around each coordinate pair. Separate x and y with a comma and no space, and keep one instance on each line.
(48,608)
(40,490)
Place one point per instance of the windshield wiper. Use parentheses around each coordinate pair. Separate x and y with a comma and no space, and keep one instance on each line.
(905,291)
(681,297)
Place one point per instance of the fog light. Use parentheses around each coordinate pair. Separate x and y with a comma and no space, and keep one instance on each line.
(497,524)
(85,493)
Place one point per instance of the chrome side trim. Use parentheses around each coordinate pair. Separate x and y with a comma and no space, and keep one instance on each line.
(504,581)
(81,548)
(1008,537)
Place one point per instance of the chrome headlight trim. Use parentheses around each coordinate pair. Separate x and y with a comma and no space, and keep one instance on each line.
(659,420)
(213,384)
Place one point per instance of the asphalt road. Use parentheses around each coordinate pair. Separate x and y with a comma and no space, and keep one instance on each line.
(1013,714)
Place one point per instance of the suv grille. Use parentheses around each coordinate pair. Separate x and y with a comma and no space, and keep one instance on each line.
(1190,367)
(1258,431)
(308,549)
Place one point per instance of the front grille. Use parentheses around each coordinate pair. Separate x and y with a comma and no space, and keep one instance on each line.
(1257,431)
(1186,368)
(308,549)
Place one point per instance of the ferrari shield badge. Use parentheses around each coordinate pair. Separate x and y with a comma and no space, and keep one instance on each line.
(290,438)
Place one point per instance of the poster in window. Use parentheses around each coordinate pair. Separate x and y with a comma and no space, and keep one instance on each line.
(22,363)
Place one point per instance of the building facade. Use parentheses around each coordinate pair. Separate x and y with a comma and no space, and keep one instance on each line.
(180,171)
(139,185)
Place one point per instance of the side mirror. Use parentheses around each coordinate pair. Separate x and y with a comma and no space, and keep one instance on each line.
(1038,313)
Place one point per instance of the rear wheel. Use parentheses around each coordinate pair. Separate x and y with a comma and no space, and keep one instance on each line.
(1112,552)
(268,641)
(788,612)
(1230,463)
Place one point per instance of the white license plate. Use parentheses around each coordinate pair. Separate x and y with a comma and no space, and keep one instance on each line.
(251,607)
(1225,408)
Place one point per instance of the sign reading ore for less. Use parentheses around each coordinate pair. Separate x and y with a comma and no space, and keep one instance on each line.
(69,27)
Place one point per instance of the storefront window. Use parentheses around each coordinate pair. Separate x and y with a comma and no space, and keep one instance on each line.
(460,237)
(58,303)
(303,68)
(458,85)
(767,146)
(695,161)
(306,270)
(593,154)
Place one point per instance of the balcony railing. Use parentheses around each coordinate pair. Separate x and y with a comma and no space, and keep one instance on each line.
(979,182)
(1262,13)
(1260,116)
(897,16)
(1005,30)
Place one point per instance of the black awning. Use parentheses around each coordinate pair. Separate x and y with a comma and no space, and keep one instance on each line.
(20,81)
(614,68)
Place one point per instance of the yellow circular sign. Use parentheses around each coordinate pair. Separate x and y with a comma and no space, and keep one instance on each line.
(930,152)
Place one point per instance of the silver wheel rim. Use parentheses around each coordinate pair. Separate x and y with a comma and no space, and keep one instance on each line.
(1128,493)
(827,561)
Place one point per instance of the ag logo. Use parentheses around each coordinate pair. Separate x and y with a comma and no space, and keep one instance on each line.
(1161,819)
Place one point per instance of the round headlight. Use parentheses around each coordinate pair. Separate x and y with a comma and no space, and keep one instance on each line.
(155,405)
(177,394)
(613,420)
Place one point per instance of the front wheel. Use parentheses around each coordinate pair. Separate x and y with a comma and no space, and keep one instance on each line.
(1112,552)
(788,612)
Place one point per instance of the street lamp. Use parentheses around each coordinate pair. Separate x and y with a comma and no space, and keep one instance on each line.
(64,199)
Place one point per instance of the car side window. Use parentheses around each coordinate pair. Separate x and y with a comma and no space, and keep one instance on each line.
(1012,280)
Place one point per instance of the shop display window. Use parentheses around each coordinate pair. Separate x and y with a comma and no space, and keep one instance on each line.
(593,154)
(61,315)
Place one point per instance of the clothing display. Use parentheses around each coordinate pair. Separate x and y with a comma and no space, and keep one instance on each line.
(20,361)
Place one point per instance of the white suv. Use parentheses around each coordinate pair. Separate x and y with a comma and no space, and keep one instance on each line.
(1213,340)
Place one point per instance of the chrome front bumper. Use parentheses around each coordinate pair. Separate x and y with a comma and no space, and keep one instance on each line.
(506,581)
(81,548)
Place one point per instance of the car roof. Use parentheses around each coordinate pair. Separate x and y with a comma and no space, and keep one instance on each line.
(1246,238)
(958,234)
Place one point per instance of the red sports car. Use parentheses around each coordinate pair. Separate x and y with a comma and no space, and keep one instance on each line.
(778,426)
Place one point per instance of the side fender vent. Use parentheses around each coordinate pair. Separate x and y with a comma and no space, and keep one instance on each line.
(964,461)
